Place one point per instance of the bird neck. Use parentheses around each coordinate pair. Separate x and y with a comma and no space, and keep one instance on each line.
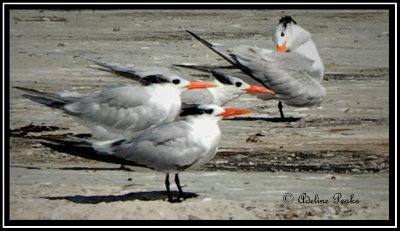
(205,129)
(167,87)
(166,95)
(204,121)
(224,94)
(202,117)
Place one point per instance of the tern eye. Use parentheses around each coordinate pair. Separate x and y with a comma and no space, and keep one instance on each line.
(176,81)
(208,111)
(238,84)
(282,34)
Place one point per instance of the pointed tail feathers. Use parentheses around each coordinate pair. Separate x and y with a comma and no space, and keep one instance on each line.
(119,70)
(232,59)
(83,149)
(220,52)
(47,99)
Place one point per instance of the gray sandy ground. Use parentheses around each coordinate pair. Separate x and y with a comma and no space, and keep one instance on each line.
(342,146)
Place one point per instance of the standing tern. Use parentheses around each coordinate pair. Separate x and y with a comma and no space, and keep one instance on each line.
(227,87)
(294,72)
(173,147)
(119,111)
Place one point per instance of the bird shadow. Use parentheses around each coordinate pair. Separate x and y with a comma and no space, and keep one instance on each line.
(80,168)
(267,119)
(143,196)
(97,169)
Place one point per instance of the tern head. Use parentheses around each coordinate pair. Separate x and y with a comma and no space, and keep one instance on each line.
(213,110)
(288,35)
(177,81)
(239,84)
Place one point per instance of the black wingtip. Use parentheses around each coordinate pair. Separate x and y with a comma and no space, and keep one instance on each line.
(222,77)
(191,33)
(84,150)
(97,62)
(194,35)
(91,60)
(32,91)
(200,39)
(213,48)
(47,99)
(122,71)
(105,65)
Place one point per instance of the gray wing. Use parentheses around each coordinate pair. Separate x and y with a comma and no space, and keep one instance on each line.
(165,147)
(110,98)
(290,75)
(116,110)
(137,73)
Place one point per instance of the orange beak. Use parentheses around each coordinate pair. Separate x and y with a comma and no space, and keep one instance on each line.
(199,85)
(259,89)
(234,111)
(281,48)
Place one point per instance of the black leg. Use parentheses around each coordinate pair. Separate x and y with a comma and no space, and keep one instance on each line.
(280,110)
(167,186)
(181,193)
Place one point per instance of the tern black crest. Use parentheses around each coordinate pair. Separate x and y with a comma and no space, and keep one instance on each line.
(286,19)
(221,77)
(154,79)
(195,110)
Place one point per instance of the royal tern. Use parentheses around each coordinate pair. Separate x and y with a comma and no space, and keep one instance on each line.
(171,147)
(119,111)
(294,72)
(227,87)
